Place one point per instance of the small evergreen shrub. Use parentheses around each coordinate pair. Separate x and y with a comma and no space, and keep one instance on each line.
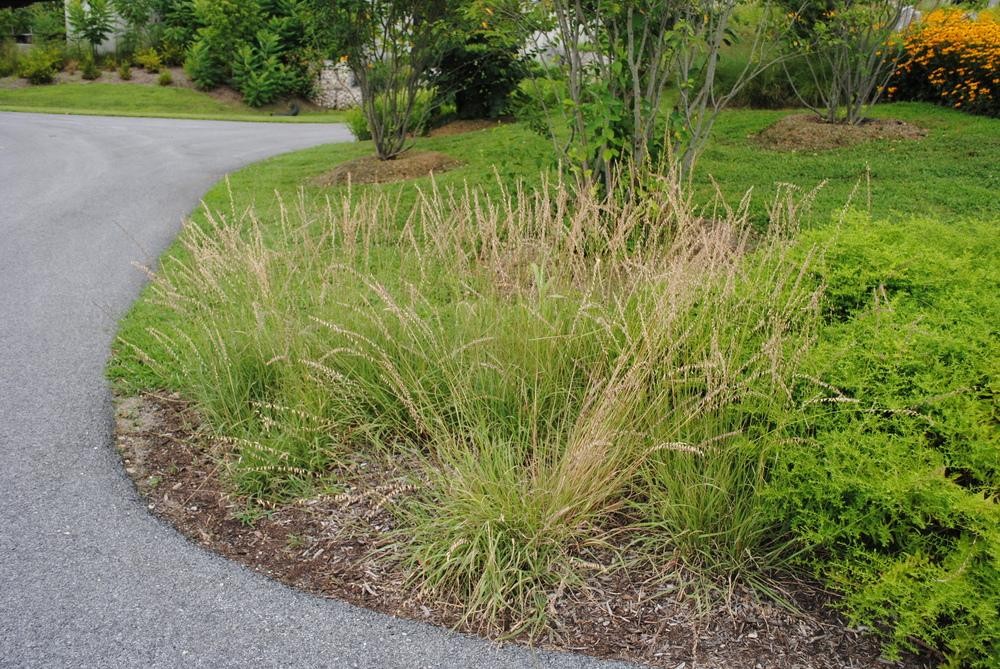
(259,73)
(149,60)
(165,78)
(125,71)
(89,69)
(39,66)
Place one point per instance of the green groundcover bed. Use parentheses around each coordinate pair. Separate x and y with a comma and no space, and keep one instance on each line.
(813,398)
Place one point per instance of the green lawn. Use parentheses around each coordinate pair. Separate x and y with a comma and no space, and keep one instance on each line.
(140,100)
(951,174)
(543,389)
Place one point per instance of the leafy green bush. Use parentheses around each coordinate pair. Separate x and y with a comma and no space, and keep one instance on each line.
(224,26)
(204,66)
(358,124)
(176,31)
(895,486)
(426,108)
(149,60)
(48,22)
(13,22)
(258,71)
(89,69)
(165,78)
(481,73)
(39,65)
(267,50)
(537,98)
(9,57)
(125,71)
(778,87)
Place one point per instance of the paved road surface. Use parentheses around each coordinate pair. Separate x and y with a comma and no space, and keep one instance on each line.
(87,577)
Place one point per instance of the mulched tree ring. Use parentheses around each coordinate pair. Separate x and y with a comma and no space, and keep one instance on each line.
(462,126)
(808,132)
(371,170)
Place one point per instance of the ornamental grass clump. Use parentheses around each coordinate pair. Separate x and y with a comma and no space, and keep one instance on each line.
(550,374)
(952,59)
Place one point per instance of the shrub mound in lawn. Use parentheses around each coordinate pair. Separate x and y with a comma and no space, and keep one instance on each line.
(895,484)
(371,170)
(808,132)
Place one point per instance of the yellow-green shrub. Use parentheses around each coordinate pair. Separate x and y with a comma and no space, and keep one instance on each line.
(894,485)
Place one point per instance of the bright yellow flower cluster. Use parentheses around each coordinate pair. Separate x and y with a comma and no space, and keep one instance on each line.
(953,59)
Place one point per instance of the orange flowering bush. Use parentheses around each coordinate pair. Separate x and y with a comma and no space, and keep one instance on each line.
(952,59)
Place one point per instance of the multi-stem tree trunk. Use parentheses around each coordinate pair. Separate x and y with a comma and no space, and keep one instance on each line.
(621,60)
(391,46)
(850,52)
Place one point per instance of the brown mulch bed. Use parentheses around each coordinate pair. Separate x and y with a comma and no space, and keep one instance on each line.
(807,132)
(325,545)
(463,126)
(140,77)
(371,170)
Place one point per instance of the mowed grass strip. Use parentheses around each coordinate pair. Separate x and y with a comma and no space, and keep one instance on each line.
(105,99)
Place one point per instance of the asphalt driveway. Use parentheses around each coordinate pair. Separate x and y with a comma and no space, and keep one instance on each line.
(87,577)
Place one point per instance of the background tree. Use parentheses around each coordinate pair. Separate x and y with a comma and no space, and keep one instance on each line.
(392,46)
(46,21)
(851,50)
(622,58)
(487,58)
(91,20)
(137,16)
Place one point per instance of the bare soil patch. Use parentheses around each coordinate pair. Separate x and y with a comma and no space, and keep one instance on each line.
(325,545)
(371,170)
(463,126)
(807,132)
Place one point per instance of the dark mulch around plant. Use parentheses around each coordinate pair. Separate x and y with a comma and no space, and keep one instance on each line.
(807,132)
(462,126)
(371,170)
(326,545)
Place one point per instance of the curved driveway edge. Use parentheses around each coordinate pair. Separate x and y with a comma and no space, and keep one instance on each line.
(88,578)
